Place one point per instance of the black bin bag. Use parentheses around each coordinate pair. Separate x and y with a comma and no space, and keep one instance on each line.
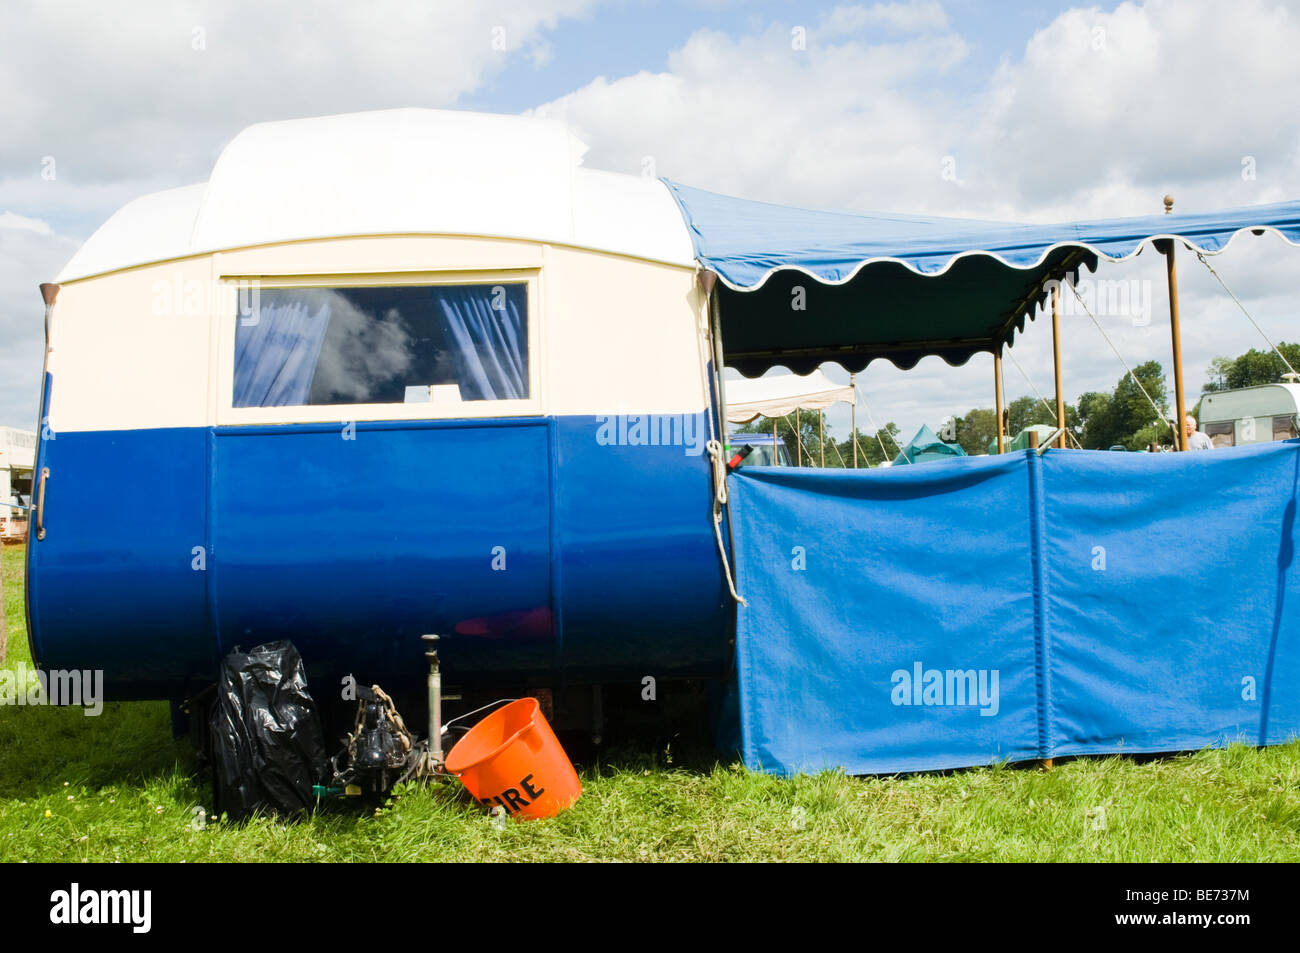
(267,745)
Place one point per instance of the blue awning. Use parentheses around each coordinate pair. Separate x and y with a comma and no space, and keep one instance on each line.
(905,286)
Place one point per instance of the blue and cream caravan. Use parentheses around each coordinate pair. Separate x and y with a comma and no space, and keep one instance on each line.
(383,374)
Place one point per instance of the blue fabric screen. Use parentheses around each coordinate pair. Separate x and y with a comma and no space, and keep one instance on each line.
(1015,607)
(1172,602)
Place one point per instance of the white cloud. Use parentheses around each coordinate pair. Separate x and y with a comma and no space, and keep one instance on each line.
(148,94)
(838,123)
(19,222)
(1103,113)
(1146,98)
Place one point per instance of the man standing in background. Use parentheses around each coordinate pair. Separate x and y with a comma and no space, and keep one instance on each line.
(1195,439)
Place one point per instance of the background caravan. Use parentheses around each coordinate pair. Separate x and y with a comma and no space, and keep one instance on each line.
(384,374)
(1233,418)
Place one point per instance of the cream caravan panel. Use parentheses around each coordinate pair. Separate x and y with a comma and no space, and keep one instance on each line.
(623,336)
(130,350)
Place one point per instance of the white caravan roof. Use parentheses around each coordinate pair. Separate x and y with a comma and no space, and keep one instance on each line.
(400,171)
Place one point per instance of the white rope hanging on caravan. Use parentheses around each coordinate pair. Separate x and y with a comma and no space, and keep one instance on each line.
(713,383)
(1225,287)
(719,504)
(1160,413)
(1041,398)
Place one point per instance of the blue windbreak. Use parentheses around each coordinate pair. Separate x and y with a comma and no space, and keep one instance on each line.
(1017,606)
(275,357)
(487,337)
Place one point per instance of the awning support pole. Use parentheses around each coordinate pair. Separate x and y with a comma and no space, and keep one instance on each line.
(853,413)
(821,436)
(1180,435)
(1056,361)
(798,441)
(997,398)
(776,457)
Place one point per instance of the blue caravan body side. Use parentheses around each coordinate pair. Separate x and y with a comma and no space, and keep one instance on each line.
(529,565)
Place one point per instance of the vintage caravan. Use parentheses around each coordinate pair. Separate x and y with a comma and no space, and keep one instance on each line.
(1232,418)
(382,375)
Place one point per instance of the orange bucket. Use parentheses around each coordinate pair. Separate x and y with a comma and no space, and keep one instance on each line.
(512,759)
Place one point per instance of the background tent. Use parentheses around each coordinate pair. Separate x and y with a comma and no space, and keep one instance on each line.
(1021,440)
(926,447)
(778,396)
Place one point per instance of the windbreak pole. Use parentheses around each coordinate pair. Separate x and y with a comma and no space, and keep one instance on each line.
(1180,431)
(1056,362)
(853,416)
(821,436)
(997,398)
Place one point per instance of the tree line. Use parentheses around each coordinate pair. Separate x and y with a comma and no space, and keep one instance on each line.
(1122,417)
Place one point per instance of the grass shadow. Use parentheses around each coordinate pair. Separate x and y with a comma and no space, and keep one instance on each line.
(43,748)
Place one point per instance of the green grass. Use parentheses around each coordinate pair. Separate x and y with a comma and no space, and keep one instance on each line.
(117,787)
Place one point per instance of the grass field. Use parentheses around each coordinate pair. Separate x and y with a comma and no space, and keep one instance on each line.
(117,787)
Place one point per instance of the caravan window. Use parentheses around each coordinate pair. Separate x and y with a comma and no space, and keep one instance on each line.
(1284,428)
(1221,434)
(382,345)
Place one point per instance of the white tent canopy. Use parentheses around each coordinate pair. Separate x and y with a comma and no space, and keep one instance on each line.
(778,396)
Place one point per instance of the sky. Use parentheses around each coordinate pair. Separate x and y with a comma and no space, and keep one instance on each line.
(1032,111)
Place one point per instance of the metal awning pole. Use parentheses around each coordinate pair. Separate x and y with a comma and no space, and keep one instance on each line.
(853,413)
(821,436)
(776,457)
(1056,361)
(997,397)
(1180,435)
